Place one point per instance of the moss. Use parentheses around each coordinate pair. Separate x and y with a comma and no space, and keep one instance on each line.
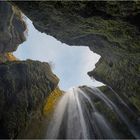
(136,101)
(36,128)
(116,31)
(68,20)
(102,88)
(51,102)
(5,57)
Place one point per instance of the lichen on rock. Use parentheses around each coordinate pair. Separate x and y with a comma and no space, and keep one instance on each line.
(51,102)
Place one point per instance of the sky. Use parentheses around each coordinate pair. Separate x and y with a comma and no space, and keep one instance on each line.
(69,63)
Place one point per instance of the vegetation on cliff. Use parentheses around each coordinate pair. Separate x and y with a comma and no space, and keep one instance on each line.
(106,19)
(5,57)
(51,102)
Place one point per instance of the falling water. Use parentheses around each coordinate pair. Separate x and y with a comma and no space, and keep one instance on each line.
(81,114)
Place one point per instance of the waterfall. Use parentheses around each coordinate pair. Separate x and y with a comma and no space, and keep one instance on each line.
(88,113)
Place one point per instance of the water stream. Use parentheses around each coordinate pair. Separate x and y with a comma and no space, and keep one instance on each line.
(88,113)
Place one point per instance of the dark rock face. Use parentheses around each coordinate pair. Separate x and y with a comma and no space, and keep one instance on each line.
(24,87)
(82,23)
(122,75)
(110,29)
(12,27)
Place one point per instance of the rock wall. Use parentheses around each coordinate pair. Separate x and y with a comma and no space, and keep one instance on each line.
(12,27)
(109,28)
(24,85)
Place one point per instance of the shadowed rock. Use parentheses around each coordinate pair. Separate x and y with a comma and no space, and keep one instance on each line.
(12,27)
(24,87)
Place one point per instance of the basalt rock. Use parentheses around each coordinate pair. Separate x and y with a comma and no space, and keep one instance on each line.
(24,88)
(110,29)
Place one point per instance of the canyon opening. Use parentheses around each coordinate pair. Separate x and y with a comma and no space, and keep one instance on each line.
(69,70)
(70,63)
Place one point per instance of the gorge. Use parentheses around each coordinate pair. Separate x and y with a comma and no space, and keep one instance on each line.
(29,90)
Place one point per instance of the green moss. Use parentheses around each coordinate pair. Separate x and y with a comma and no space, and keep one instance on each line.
(136,101)
(116,31)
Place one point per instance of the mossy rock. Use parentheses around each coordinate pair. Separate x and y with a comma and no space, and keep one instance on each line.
(25,85)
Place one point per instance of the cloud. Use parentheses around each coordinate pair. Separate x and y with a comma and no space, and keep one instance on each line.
(71,62)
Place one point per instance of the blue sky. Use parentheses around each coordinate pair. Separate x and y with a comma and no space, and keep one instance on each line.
(70,63)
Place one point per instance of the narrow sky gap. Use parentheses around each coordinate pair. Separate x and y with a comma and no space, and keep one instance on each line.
(69,63)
